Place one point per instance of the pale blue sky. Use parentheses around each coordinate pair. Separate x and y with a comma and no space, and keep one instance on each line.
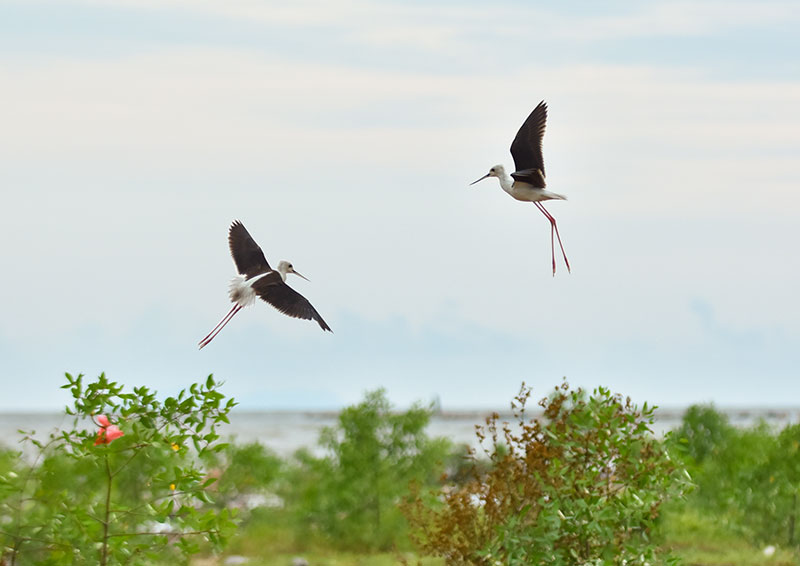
(344,135)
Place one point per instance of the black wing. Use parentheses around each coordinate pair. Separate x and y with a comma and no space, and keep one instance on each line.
(288,301)
(527,148)
(247,256)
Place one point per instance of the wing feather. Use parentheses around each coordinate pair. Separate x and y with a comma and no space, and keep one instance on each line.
(246,253)
(288,301)
(527,146)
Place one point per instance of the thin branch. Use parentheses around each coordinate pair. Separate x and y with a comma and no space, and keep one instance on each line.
(166,534)
(33,539)
(104,554)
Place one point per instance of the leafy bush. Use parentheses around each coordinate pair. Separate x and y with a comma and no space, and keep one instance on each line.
(129,492)
(781,475)
(373,453)
(244,470)
(748,479)
(704,431)
(580,485)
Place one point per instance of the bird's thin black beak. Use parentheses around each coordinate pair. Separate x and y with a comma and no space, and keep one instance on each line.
(303,276)
(481,179)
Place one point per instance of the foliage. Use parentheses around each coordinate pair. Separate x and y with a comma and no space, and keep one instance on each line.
(583,484)
(748,479)
(703,432)
(89,500)
(243,470)
(351,494)
(580,484)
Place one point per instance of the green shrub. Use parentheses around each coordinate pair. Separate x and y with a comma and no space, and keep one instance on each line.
(704,431)
(244,469)
(580,485)
(748,479)
(129,490)
(350,495)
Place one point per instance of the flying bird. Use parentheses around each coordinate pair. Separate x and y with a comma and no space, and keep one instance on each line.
(528,180)
(257,279)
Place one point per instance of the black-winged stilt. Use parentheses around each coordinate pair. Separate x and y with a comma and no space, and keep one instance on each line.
(528,179)
(257,279)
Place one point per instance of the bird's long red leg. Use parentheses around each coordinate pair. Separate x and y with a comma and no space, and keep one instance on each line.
(552,241)
(554,226)
(225,320)
(230,313)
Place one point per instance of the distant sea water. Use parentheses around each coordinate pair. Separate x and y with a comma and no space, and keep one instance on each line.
(287,431)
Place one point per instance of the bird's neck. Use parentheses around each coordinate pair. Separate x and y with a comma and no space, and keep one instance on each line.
(506,182)
(282,269)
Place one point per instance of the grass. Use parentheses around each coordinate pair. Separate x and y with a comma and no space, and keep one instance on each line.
(269,538)
(333,558)
(696,539)
(700,540)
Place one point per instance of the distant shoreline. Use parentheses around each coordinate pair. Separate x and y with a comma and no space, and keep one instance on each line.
(286,431)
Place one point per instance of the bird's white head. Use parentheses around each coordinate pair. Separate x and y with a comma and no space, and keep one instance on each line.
(496,171)
(284,267)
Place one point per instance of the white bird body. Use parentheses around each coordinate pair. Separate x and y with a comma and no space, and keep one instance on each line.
(529,193)
(521,190)
(241,289)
